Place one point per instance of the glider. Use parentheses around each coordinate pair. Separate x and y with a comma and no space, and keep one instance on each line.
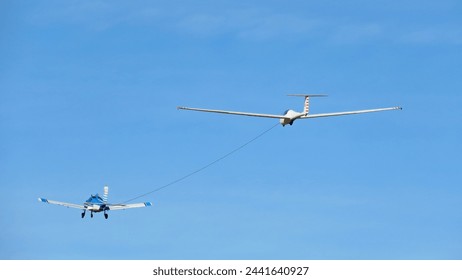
(290,116)
(96,204)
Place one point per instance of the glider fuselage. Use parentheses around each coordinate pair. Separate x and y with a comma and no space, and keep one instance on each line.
(290,116)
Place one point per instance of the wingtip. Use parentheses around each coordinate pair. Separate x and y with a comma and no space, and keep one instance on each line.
(42,200)
(148,204)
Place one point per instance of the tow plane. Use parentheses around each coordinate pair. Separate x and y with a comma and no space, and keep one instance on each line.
(289,116)
(97,203)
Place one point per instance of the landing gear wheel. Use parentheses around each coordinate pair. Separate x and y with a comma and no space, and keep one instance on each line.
(83,214)
(106,216)
(91,215)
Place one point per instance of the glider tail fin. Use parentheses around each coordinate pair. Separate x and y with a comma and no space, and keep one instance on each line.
(306,107)
(105,194)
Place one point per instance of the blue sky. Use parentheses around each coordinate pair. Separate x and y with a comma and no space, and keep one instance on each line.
(88,96)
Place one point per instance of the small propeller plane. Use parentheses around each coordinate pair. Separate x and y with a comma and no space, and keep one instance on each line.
(290,116)
(96,204)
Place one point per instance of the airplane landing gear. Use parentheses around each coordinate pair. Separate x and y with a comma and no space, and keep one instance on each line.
(91,214)
(83,214)
(106,215)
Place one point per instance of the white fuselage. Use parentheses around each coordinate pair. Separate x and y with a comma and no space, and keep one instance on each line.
(290,116)
(94,208)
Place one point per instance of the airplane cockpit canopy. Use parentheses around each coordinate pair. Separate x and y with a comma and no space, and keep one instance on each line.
(95,199)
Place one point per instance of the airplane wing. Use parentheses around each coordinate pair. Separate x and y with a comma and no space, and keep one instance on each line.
(128,206)
(234,113)
(69,205)
(348,113)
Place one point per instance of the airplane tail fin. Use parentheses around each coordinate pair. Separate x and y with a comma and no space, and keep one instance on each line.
(306,107)
(105,194)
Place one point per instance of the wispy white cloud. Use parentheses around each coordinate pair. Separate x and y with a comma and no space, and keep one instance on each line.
(246,24)
(434,35)
(357,33)
(203,24)
(98,15)
(395,33)
(279,26)
(243,22)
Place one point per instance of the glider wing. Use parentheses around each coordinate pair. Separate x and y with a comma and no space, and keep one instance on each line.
(348,113)
(234,113)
